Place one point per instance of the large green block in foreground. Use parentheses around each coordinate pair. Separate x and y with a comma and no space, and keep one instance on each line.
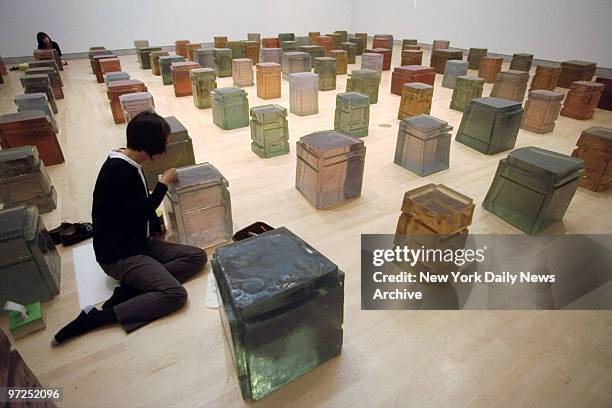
(269,131)
(281,308)
(352,116)
(533,187)
(230,108)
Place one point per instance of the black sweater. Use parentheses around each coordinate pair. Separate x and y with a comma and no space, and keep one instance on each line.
(121,210)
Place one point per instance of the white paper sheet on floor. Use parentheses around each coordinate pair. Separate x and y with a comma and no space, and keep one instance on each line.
(93,285)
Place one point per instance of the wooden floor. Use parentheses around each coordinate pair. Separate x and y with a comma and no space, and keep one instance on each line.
(393,358)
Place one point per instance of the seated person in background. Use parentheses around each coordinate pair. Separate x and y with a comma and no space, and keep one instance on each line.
(45,42)
(123,215)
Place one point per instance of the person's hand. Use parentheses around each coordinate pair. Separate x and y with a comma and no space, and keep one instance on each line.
(168,177)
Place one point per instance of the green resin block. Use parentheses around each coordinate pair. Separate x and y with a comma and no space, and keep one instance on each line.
(408,41)
(164,67)
(143,56)
(230,108)
(474,57)
(315,51)
(337,41)
(360,44)
(343,35)
(179,153)
(288,46)
(223,61)
(533,187)
(203,82)
(364,81)
(325,67)
(351,52)
(490,125)
(269,131)
(237,48)
(467,87)
(286,37)
(352,114)
(281,305)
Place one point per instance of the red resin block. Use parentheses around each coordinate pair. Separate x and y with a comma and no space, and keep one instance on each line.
(411,73)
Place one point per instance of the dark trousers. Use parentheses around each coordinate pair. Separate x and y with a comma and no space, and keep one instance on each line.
(157,276)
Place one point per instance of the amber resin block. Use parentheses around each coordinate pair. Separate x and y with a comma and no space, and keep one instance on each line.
(220,42)
(95,65)
(360,44)
(325,42)
(582,99)
(31,128)
(411,73)
(378,42)
(270,42)
(510,85)
(251,51)
(118,88)
(412,57)
(386,53)
(605,102)
(351,52)
(165,63)
(314,35)
(181,48)
(110,65)
(521,62)
(154,61)
(181,78)
(191,50)
(440,56)
(595,147)
(336,40)
(325,68)
(541,111)
(475,55)
(341,61)
(329,168)
(440,45)
(54,79)
(416,100)
(268,80)
(489,68)
(574,70)
(545,78)
(48,54)
(467,87)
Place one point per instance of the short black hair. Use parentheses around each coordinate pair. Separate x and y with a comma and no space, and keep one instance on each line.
(148,132)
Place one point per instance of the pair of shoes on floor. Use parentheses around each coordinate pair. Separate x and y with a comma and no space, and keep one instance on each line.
(69,234)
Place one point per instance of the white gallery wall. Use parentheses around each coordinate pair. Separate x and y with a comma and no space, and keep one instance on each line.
(554,30)
(79,24)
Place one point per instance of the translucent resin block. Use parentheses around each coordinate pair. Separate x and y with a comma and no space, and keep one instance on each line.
(336,40)
(203,82)
(135,103)
(54,79)
(281,308)
(416,100)
(364,81)
(294,62)
(205,57)
(510,85)
(242,72)
(254,37)
(489,68)
(546,78)
(220,42)
(198,206)
(351,52)
(36,102)
(269,131)
(423,145)
(411,73)
(118,88)
(95,64)
(288,46)
(411,57)
(304,93)
(29,263)
(315,51)
(490,125)
(179,153)
(360,44)
(181,48)
(325,67)
(581,100)
(341,61)
(314,35)
(605,102)
(575,70)
(541,111)
(110,65)
(271,55)
(141,43)
(96,53)
(116,76)
(31,128)
(533,187)
(372,61)
(362,38)
(251,51)
(521,62)
(39,83)
(595,147)
(382,41)
(230,108)
(453,69)
(24,180)
(191,48)
(467,87)
(343,35)
(329,168)
(440,45)
(475,55)
(408,41)
(286,37)
(143,55)
(223,61)
(385,52)
(352,116)
(154,61)
(164,67)
(181,78)
(268,80)
(439,58)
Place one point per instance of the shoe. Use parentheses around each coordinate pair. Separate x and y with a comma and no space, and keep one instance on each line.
(56,231)
(76,233)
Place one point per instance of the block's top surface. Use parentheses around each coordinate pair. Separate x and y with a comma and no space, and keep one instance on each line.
(158,53)
(325,61)
(579,64)
(365,73)
(338,52)
(104,56)
(353,98)
(543,94)
(203,73)
(149,49)
(512,73)
(328,143)
(544,162)
(296,54)
(415,69)
(492,58)
(181,42)
(417,86)
(136,96)
(230,91)
(305,78)
(379,50)
(19,222)
(425,123)
(372,55)
(271,50)
(23,155)
(311,47)
(599,132)
(170,59)
(109,61)
(23,116)
(222,50)
(41,70)
(523,55)
(415,52)
(448,51)
(260,273)
(349,44)
(183,65)
(195,177)
(475,49)
(176,127)
(35,96)
(199,51)
(592,86)
(124,83)
(473,79)
(495,103)
(34,78)
(242,61)
(268,65)
(454,64)
(271,112)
